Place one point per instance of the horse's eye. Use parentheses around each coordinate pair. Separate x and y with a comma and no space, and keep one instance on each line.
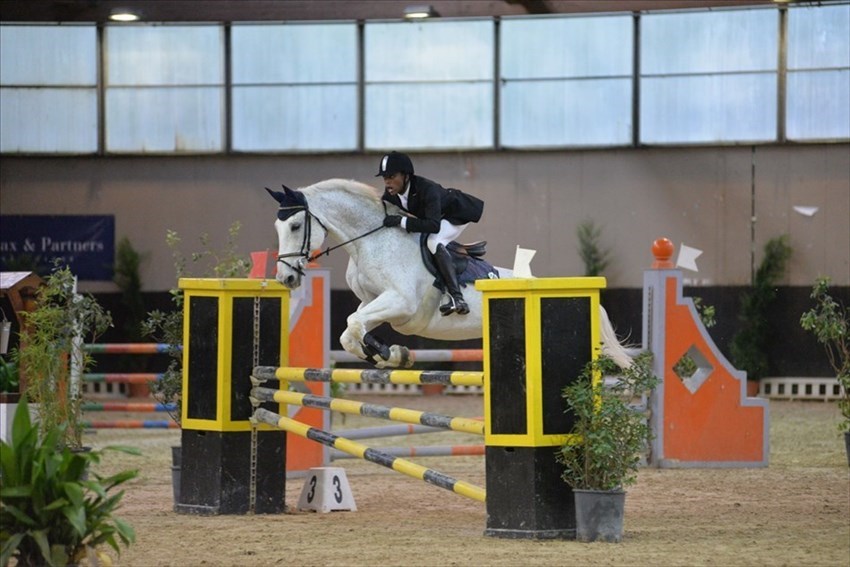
(295,227)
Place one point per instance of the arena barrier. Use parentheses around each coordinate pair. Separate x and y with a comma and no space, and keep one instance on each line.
(461,424)
(423,451)
(372,455)
(371,376)
(131,424)
(705,419)
(448,356)
(115,384)
(539,334)
(139,407)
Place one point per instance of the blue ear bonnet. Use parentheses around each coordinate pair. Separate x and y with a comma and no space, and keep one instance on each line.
(290,202)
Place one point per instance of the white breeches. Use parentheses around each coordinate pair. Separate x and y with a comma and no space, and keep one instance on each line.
(448,232)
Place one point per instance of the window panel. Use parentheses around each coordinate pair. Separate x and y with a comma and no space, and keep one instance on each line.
(719,84)
(168,119)
(429,116)
(566,47)
(48,120)
(48,111)
(300,53)
(709,42)
(48,55)
(711,108)
(566,113)
(429,84)
(819,37)
(818,81)
(164,55)
(156,98)
(566,81)
(429,51)
(818,105)
(294,118)
(294,87)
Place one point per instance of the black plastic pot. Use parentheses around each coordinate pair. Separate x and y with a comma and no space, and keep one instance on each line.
(599,515)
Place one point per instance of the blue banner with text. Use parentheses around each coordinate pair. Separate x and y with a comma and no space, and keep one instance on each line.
(85,243)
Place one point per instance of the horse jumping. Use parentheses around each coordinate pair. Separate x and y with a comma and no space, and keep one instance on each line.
(384,271)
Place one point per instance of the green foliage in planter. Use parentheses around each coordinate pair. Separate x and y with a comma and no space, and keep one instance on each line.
(9,376)
(54,509)
(167,327)
(51,339)
(127,278)
(749,344)
(594,257)
(687,366)
(609,434)
(829,320)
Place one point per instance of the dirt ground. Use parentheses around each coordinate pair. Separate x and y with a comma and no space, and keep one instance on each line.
(794,512)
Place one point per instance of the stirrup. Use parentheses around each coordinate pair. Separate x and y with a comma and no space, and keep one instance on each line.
(454,305)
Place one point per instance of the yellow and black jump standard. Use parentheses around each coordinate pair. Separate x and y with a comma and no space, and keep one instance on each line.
(538,336)
(230,326)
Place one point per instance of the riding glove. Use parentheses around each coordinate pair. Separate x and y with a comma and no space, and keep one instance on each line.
(392,220)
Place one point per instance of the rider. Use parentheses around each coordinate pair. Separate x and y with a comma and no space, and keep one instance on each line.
(443,213)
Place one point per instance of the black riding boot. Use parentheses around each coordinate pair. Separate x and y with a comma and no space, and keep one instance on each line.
(455,304)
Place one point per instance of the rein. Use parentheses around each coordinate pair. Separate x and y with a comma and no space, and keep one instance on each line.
(304,253)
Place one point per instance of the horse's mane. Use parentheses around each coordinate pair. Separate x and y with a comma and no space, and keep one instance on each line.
(355,188)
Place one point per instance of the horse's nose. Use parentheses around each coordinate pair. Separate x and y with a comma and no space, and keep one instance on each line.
(289,281)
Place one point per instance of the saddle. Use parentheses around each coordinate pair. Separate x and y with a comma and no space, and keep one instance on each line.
(467,259)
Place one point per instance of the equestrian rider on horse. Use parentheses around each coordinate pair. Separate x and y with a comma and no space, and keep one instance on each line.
(443,213)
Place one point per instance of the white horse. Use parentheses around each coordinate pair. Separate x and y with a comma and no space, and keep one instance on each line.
(385,270)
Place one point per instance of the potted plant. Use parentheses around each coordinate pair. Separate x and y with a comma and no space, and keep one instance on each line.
(749,345)
(50,347)
(51,511)
(609,436)
(167,326)
(829,320)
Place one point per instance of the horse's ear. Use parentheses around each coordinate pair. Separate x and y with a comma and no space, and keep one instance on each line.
(286,189)
(278,196)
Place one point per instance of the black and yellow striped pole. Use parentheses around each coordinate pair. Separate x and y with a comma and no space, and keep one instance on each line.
(230,326)
(397,464)
(538,335)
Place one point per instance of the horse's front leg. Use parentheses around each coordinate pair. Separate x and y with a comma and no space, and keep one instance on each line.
(388,307)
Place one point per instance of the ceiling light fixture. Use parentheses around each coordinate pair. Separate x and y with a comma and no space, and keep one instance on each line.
(121,15)
(420,12)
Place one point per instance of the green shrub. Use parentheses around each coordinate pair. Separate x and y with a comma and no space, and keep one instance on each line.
(167,326)
(50,345)
(51,512)
(749,345)
(609,434)
(9,376)
(594,257)
(829,320)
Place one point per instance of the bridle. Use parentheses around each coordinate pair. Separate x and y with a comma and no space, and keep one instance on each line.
(303,255)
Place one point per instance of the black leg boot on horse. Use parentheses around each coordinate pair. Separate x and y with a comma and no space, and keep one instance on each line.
(456,303)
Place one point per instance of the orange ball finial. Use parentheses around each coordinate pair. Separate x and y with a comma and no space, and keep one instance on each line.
(662,249)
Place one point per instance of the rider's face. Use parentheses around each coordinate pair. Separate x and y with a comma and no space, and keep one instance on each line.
(395,183)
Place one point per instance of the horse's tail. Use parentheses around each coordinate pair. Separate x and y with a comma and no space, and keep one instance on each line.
(611,345)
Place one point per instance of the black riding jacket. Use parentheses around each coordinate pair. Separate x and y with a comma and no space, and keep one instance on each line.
(430,202)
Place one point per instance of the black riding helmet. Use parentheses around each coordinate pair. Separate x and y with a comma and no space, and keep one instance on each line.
(395,162)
